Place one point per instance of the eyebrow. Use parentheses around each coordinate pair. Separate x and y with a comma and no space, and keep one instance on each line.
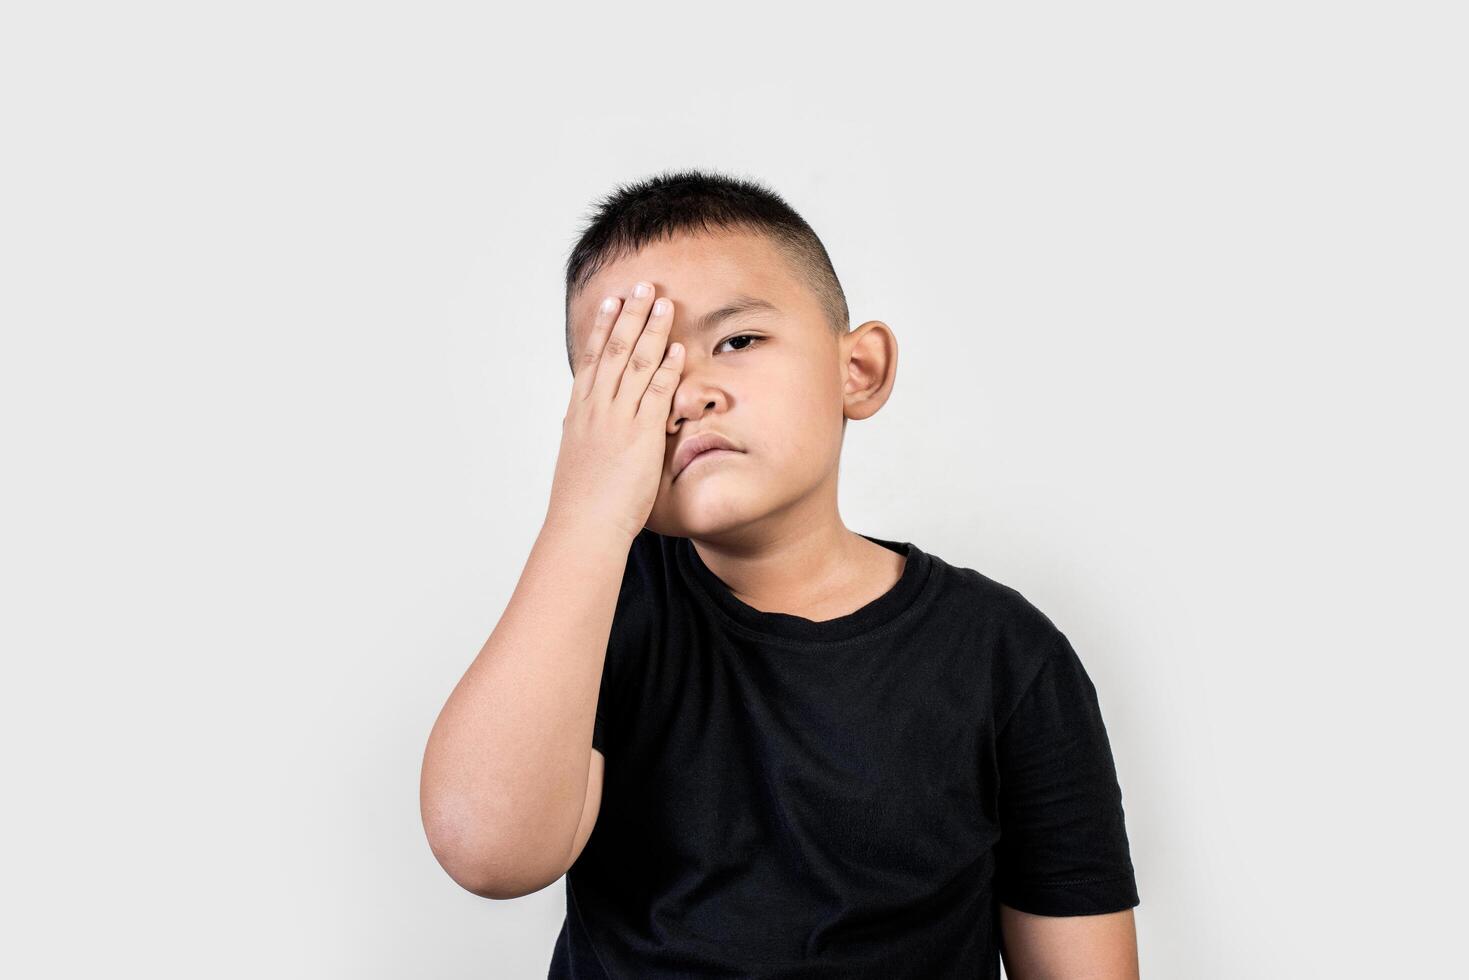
(739,306)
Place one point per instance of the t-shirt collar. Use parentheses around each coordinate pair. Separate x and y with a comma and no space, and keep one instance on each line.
(873,617)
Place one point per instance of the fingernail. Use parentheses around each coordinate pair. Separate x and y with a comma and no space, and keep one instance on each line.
(660,307)
(641,289)
(609,304)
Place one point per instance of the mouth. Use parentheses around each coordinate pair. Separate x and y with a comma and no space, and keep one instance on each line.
(705,455)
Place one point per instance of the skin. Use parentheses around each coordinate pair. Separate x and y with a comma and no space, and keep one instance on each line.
(766,521)
(1049,947)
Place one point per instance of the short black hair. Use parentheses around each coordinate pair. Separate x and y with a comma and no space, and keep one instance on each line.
(694,201)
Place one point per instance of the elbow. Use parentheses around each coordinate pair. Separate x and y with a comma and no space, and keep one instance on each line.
(486,869)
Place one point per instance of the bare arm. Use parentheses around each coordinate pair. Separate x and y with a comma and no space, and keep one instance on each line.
(511,786)
(1069,947)
(506,771)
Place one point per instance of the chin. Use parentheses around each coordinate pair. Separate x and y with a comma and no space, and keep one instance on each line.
(711,512)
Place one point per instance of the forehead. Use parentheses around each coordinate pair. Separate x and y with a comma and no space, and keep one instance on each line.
(697,271)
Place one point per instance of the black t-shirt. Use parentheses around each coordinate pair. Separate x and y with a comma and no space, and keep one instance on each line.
(845,799)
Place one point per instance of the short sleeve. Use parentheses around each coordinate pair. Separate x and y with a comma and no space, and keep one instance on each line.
(599,729)
(1063,847)
(634,624)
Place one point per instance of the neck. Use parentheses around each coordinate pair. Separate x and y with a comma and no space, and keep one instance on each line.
(804,562)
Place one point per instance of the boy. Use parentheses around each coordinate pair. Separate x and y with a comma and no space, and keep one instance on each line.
(758,744)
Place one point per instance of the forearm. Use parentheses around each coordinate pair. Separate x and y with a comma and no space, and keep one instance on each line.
(505,770)
(1077,947)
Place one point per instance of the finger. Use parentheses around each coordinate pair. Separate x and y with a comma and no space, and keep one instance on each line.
(591,355)
(658,397)
(620,342)
(647,355)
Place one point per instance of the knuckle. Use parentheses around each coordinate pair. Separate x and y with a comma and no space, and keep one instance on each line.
(616,347)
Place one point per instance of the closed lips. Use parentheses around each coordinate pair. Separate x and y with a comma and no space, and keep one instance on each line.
(703,442)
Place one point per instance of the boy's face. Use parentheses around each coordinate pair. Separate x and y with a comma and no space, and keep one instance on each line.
(780,393)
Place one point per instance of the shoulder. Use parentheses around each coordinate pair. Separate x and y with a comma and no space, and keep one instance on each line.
(638,620)
(644,596)
(997,607)
(650,563)
(1012,629)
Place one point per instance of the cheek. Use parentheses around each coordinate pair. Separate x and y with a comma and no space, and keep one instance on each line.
(800,424)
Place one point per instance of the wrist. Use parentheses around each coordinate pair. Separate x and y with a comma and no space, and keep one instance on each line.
(589,530)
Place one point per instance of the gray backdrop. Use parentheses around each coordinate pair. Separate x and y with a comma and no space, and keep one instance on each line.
(1178,290)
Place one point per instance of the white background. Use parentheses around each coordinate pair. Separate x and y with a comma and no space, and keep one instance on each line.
(1180,293)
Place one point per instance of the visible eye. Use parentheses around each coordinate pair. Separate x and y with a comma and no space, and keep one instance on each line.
(743,336)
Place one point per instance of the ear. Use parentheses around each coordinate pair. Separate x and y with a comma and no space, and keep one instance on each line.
(870,358)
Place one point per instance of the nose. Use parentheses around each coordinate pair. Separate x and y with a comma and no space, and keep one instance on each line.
(680,420)
(693,397)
